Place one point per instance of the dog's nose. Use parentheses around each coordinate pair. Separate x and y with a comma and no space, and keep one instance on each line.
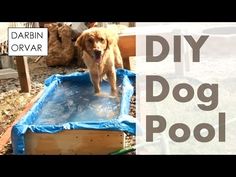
(97,53)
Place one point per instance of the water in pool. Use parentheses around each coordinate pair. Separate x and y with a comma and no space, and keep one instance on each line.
(73,102)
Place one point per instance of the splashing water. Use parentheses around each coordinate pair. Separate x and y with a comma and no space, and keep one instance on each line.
(73,102)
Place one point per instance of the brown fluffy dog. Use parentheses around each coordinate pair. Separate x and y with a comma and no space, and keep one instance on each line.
(101,55)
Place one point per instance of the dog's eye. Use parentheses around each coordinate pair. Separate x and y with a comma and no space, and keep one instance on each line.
(102,40)
(90,40)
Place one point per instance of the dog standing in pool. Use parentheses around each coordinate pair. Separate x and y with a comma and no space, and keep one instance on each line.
(101,55)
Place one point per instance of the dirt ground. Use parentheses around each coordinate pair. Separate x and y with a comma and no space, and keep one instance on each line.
(12,101)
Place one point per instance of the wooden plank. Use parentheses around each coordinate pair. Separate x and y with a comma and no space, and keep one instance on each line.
(127,45)
(8,73)
(6,62)
(73,142)
(23,72)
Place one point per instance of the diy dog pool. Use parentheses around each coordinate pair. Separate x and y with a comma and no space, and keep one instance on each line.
(69,119)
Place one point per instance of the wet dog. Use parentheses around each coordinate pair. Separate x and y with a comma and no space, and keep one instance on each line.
(101,55)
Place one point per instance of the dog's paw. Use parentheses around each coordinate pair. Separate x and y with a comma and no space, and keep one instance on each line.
(101,94)
(116,98)
(114,94)
(98,94)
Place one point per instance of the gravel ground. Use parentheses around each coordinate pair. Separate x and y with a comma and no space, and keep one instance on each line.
(12,102)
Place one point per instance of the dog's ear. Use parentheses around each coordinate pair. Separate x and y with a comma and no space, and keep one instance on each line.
(112,38)
(80,42)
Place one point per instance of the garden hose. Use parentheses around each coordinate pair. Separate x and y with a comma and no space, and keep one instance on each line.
(133,148)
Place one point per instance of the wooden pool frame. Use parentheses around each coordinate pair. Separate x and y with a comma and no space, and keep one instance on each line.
(72,142)
(83,142)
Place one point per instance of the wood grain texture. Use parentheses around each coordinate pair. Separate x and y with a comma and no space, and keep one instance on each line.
(74,142)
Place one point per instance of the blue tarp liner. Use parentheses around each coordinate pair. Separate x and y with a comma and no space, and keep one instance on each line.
(38,119)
